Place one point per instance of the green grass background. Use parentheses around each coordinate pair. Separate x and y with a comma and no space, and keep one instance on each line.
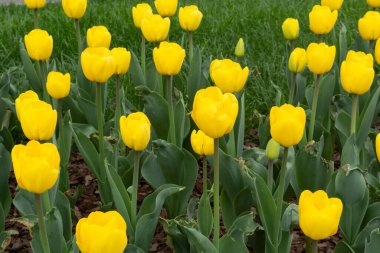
(257,21)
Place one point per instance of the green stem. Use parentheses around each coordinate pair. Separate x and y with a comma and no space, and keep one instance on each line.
(35,18)
(77,29)
(371,46)
(41,224)
(117,118)
(232,143)
(314,107)
(191,47)
(169,94)
(143,54)
(135,183)
(60,118)
(46,200)
(293,82)
(355,104)
(311,245)
(216,193)
(291,46)
(99,105)
(270,175)
(43,80)
(204,183)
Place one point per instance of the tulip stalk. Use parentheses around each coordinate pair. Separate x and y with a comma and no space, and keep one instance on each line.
(293,83)
(216,193)
(311,245)
(270,175)
(314,107)
(143,54)
(191,47)
(204,183)
(135,183)
(77,29)
(100,128)
(169,94)
(35,18)
(355,105)
(41,70)
(41,224)
(117,118)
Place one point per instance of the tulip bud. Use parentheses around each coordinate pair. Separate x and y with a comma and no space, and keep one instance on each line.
(201,143)
(369,25)
(122,59)
(166,8)
(168,58)
(24,99)
(39,45)
(35,4)
(357,73)
(98,36)
(98,64)
(320,58)
(273,150)
(135,131)
(228,75)
(322,19)
(139,12)
(374,3)
(214,112)
(58,85)
(287,124)
(36,166)
(190,18)
(102,233)
(318,214)
(332,4)
(297,60)
(377,146)
(155,28)
(240,49)
(74,8)
(290,28)
(38,120)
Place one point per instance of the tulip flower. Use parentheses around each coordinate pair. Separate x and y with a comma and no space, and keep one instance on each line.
(322,19)
(155,28)
(98,64)
(374,3)
(23,100)
(139,12)
(58,85)
(240,48)
(272,153)
(38,120)
(215,114)
(319,215)
(320,58)
(228,75)
(201,143)
(377,51)
(290,28)
(166,8)
(74,8)
(122,59)
(296,64)
(98,36)
(369,26)
(377,146)
(39,44)
(102,233)
(35,4)
(190,18)
(332,4)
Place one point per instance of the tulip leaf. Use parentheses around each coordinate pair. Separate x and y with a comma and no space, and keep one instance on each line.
(182,122)
(171,165)
(152,77)
(135,71)
(342,124)
(343,247)
(300,89)
(64,147)
(89,107)
(205,217)
(173,229)
(25,203)
(131,248)
(350,153)
(150,212)
(30,71)
(240,127)
(365,234)
(342,43)
(290,217)
(373,212)
(194,79)
(76,113)
(198,241)
(6,165)
(63,206)
(2,219)
(374,242)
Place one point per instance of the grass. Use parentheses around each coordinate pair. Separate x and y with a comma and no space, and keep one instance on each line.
(257,21)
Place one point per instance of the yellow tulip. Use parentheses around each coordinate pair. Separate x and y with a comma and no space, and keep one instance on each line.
(102,233)
(369,25)
(290,28)
(155,28)
(377,144)
(74,8)
(35,4)
(201,143)
(332,4)
(122,59)
(377,51)
(135,130)
(287,124)
(319,215)
(240,48)
(98,36)
(58,85)
(39,44)
(272,150)
(357,73)
(36,166)
(24,99)
(374,3)
(38,120)
(228,75)
(139,12)
(190,18)
(322,19)
(297,60)
(320,57)
(214,112)
(166,8)
(168,58)
(98,64)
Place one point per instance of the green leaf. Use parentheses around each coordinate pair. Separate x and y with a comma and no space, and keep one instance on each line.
(63,206)
(373,212)
(300,89)
(131,248)
(240,127)
(350,153)
(152,77)
(374,242)
(150,212)
(364,235)
(30,71)
(25,203)
(194,79)
(290,217)
(343,247)
(342,43)
(6,165)
(136,72)
(199,242)
(343,124)
(205,217)
(89,107)
(181,117)
(326,92)
(2,219)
